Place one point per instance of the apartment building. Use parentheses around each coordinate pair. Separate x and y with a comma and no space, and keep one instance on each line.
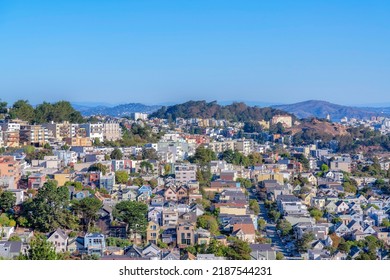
(35,135)
(94,130)
(60,130)
(79,141)
(10,168)
(185,173)
(11,139)
(111,131)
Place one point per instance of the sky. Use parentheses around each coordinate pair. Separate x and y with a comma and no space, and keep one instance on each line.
(156,51)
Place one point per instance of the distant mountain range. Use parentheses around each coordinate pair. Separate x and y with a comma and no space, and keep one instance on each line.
(115,111)
(320,109)
(306,109)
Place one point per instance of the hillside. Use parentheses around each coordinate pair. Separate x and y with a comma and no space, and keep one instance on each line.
(320,127)
(117,111)
(202,109)
(320,109)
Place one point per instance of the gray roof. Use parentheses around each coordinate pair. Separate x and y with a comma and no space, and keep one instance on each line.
(261,247)
(15,247)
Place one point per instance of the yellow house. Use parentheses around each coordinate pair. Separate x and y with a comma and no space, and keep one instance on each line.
(152,232)
(271,176)
(63,177)
(231,208)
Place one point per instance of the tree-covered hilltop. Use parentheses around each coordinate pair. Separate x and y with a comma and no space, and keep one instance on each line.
(46,112)
(202,109)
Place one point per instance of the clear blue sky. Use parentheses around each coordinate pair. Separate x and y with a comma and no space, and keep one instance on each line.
(172,51)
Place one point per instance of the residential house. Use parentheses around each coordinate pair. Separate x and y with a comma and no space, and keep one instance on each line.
(134,252)
(11,249)
(262,252)
(153,232)
(244,232)
(169,218)
(170,194)
(185,235)
(172,255)
(94,244)
(152,252)
(36,180)
(59,239)
(202,236)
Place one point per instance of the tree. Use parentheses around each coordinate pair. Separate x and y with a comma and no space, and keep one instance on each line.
(49,210)
(65,147)
(274,215)
(208,222)
(117,242)
(6,221)
(303,243)
(88,208)
(316,214)
(344,246)
(121,177)
(47,146)
(153,183)
(15,238)
(138,181)
(29,149)
(385,223)
(7,201)
(149,153)
(216,248)
(254,206)
(279,256)
(203,156)
(167,169)
(324,168)
(146,167)
(246,183)
(133,213)
(116,154)
(261,224)
(41,249)
(98,167)
(3,107)
(349,188)
(239,250)
(21,109)
(284,226)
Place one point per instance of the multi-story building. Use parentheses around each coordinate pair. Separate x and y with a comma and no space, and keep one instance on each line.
(152,232)
(36,180)
(36,135)
(10,168)
(341,164)
(60,130)
(10,126)
(185,173)
(244,146)
(185,235)
(66,157)
(93,130)
(94,244)
(140,116)
(111,131)
(220,147)
(79,141)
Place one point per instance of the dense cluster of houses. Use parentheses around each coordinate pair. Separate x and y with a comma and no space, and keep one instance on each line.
(175,199)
